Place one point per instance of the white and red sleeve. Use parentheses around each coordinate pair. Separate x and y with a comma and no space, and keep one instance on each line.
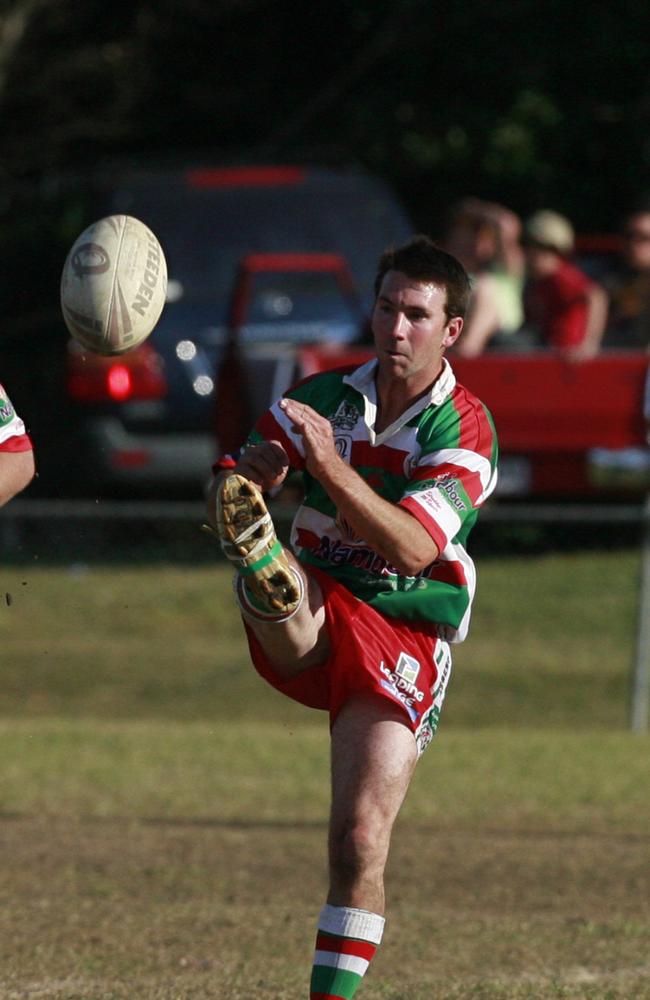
(13,436)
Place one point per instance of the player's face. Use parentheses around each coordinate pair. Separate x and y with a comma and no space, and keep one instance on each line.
(411,330)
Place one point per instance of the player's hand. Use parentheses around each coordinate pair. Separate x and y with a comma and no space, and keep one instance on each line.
(265,464)
(317,436)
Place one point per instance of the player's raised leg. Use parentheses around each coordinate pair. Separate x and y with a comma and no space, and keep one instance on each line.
(373,758)
(281,604)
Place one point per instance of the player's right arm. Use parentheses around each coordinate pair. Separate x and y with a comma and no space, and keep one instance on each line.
(266,464)
(16,472)
(16,455)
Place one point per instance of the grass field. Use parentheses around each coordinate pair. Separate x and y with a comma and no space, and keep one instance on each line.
(163,814)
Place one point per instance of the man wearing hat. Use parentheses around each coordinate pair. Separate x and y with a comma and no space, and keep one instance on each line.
(566,308)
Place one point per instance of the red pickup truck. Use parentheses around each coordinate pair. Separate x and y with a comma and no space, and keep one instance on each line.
(567,430)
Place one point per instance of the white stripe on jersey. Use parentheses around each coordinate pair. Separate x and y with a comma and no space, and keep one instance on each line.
(14,428)
(439,510)
(287,427)
(469,460)
(457,553)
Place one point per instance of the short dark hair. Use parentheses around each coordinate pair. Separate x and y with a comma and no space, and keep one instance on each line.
(423,260)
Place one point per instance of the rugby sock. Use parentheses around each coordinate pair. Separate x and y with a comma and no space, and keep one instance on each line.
(346,942)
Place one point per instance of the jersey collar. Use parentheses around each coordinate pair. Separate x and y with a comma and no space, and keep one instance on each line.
(363,380)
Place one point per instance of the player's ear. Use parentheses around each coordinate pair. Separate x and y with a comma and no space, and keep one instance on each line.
(453,331)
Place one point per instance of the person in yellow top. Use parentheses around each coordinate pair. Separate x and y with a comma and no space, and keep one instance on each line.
(486,237)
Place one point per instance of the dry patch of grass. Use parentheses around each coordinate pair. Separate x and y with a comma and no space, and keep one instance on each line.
(109,909)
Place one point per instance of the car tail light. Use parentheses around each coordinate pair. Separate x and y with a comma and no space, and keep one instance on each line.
(94,378)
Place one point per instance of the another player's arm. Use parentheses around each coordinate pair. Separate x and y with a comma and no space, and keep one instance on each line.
(16,472)
(391,531)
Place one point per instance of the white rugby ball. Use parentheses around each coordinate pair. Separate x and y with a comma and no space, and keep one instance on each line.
(113,285)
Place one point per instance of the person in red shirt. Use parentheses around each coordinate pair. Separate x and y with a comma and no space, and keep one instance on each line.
(628,284)
(16,452)
(562,304)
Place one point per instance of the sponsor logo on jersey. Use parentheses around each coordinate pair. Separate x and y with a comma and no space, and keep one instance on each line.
(449,486)
(345,418)
(338,552)
(343,445)
(410,463)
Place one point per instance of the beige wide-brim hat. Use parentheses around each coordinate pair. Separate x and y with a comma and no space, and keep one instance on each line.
(550,230)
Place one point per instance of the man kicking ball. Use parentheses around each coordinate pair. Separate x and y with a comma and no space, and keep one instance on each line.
(396,459)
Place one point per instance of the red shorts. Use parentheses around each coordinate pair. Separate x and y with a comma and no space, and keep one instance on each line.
(405,662)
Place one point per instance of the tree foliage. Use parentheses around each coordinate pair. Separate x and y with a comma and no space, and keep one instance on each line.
(526,102)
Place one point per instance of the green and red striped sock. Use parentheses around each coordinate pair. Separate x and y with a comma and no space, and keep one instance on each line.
(346,942)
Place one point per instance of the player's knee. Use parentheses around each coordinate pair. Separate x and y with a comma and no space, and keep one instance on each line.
(358,848)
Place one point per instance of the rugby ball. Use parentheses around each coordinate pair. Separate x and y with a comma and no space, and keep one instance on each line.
(113,285)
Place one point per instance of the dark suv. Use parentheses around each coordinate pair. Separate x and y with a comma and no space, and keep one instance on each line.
(261,259)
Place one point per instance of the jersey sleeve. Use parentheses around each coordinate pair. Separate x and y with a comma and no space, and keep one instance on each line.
(456,471)
(274,425)
(13,436)
(320,391)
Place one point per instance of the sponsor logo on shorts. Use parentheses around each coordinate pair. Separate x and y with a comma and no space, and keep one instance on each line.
(408,667)
(442,660)
(429,721)
(400,682)
(427,728)
(407,702)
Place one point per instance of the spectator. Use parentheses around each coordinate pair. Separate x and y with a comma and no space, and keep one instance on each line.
(628,323)
(485,236)
(16,455)
(565,308)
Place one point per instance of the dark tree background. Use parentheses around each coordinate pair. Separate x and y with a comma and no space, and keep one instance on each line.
(531,102)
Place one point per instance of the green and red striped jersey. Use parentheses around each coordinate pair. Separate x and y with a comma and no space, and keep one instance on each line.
(438,461)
